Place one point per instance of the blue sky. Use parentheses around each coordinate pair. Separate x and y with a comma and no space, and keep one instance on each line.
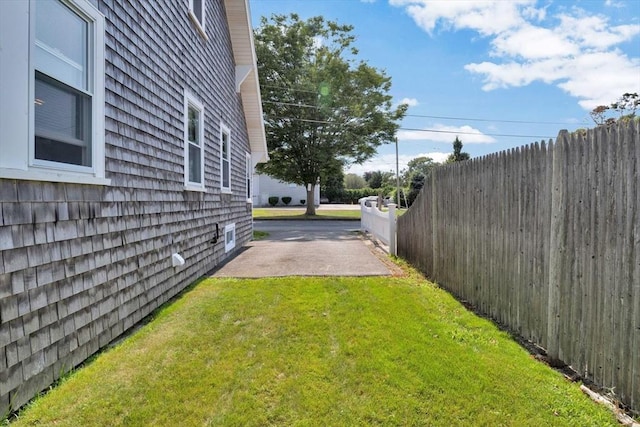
(474,68)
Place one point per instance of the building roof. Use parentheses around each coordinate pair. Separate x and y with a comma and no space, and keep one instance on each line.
(247,84)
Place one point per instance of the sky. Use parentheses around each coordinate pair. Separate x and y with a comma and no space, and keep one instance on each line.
(497,74)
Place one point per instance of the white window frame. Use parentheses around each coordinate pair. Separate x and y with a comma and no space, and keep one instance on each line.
(17,86)
(200,26)
(229,244)
(192,101)
(249,178)
(224,130)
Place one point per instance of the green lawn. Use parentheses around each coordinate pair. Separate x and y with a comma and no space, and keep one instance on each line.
(316,352)
(259,235)
(299,213)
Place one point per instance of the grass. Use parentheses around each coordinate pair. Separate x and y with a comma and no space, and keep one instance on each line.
(259,235)
(316,351)
(299,213)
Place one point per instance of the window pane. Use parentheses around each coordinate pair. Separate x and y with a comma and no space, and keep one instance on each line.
(62,123)
(195,168)
(61,44)
(225,146)
(225,173)
(193,129)
(248,175)
(197,10)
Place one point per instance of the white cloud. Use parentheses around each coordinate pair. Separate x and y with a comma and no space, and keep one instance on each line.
(573,50)
(486,17)
(444,133)
(533,43)
(411,102)
(387,162)
(611,3)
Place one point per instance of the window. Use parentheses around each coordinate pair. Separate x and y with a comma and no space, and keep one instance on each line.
(229,237)
(225,159)
(196,12)
(62,136)
(249,176)
(193,143)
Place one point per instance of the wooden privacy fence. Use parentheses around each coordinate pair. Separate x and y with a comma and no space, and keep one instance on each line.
(546,240)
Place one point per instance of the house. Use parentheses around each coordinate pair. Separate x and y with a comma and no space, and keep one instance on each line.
(129,131)
(265,186)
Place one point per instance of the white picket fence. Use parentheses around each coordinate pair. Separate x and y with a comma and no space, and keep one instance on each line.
(382,225)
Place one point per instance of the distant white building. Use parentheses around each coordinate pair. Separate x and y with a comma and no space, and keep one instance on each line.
(265,186)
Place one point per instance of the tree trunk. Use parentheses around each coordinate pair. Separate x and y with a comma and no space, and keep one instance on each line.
(311,203)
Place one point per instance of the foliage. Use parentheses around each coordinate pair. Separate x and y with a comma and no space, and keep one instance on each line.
(332,182)
(457,155)
(259,235)
(353,181)
(352,196)
(323,107)
(418,165)
(286,200)
(273,200)
(379,179)
(625,106)
(316,351)
(302,201)
(414,176)
(416,184)
(299,214)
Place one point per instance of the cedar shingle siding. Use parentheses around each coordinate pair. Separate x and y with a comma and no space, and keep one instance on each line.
(81,264)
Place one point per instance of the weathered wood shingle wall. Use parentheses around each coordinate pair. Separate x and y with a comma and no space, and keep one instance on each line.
(81,264)
(546,240)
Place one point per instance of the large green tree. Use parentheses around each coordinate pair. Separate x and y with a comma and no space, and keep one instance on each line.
(353,181)
(322,105)
(419,165)
(378,179)
(414,176)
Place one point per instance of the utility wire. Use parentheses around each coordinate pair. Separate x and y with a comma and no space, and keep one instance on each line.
(475,133)
(292,104)
(324,122)
(487,120)
(472,119)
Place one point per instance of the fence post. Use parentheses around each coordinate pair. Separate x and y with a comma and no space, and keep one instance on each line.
(392,229)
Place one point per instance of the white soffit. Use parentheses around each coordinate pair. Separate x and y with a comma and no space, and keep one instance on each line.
(239,20)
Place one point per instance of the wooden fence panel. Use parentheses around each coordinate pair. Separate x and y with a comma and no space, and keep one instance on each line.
(546,240)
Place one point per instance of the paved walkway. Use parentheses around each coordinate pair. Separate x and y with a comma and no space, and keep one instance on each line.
(306,248)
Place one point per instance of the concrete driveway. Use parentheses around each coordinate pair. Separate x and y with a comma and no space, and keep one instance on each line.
(306,248)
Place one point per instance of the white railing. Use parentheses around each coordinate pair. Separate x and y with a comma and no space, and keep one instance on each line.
(382,225)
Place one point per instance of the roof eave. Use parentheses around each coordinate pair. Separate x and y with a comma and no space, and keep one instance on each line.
(247,83)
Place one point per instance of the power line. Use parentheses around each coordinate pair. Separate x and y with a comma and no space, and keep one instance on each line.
(475,133)
(293,104)
(471,119)
(293,89)
(324,122)
(487,120)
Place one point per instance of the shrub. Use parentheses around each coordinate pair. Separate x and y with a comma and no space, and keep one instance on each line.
(273,200)
(286,200)
(303,201)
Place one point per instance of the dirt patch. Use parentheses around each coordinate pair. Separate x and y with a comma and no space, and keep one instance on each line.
(381,253)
